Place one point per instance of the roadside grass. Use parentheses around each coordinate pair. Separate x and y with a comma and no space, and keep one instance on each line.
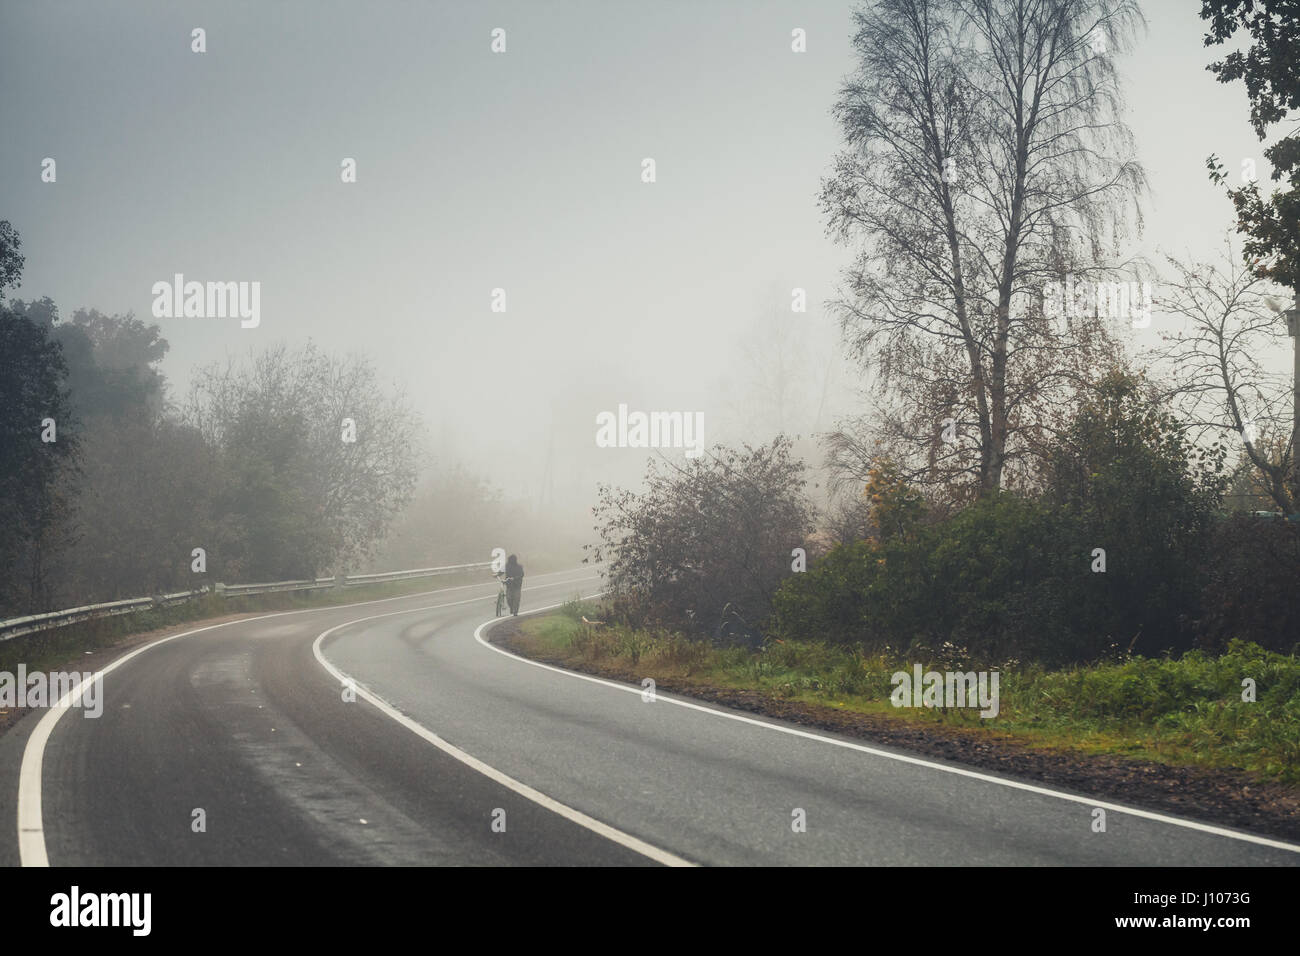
(1187,711)
(46,650)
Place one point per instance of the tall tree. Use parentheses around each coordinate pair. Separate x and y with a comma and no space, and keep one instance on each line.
(37,444)
(313,459)
(143,501)
(112,362)
(11,261)
(117,505)
(1217,379)
(773,383)
(1270,67)
(985,158)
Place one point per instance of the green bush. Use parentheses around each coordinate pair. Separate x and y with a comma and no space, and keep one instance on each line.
(1013,578)
(1252,584)
(1139,489)
(704,545)
(1000,580)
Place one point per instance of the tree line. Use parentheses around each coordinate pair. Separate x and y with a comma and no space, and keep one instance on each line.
(1022,486)
(286,464)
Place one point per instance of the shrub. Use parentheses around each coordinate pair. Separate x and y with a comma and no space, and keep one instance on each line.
(712,535)
(1140,490)
(1001,579)
(1252,585)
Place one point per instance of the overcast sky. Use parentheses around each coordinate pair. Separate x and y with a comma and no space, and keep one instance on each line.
(478,170)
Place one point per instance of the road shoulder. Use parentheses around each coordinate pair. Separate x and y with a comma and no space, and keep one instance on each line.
(1223,797)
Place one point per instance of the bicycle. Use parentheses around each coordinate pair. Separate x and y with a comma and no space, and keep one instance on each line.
(502,602)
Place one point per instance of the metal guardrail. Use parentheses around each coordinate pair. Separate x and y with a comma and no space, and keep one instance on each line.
(18,626)
(236,590)
(417,573)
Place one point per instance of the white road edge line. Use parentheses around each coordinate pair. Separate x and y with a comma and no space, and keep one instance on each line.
(31,828)
(902,758)
(510,783)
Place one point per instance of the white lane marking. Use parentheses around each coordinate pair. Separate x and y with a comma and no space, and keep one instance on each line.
(31,828)
(902,758)
(525,791)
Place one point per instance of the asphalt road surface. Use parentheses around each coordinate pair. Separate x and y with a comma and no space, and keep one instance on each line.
(390,732)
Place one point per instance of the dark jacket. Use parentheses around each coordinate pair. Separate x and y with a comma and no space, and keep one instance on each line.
(515,574)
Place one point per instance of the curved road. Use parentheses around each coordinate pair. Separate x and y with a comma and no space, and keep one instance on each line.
(449,751)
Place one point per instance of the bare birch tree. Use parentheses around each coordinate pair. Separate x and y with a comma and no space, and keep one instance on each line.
(985,157)
(1219,378)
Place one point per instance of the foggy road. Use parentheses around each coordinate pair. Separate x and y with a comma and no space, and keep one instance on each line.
(453,752)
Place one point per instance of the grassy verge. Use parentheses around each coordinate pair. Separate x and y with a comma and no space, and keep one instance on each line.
(1186,712)
(45,650)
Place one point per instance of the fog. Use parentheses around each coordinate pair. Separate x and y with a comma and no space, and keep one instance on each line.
(519,171)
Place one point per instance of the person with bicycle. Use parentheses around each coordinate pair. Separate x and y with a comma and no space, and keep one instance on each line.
(513,578)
